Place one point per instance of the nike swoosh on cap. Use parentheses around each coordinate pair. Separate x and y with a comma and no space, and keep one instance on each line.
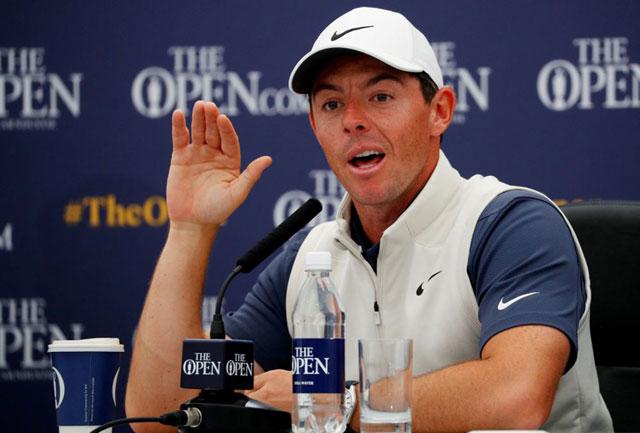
(337,35)
(502,305)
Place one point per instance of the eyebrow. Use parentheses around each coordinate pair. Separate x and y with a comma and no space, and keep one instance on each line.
(383,76)
(371,82)
(323,86)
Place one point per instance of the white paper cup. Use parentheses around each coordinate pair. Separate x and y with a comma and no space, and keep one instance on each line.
(85,374)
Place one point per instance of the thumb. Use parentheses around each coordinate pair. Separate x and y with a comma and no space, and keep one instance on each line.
(258,381)
(253,172)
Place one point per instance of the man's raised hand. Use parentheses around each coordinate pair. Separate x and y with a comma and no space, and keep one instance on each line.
(205,185)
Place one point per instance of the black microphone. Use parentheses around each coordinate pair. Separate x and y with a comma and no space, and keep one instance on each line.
(218,366)
(263,249)
(279,235)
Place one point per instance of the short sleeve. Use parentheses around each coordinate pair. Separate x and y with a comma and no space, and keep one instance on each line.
(524,268)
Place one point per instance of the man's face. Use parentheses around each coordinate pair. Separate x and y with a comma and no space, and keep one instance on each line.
(375,129)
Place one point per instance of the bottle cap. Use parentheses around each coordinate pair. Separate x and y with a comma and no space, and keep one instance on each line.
(317,261)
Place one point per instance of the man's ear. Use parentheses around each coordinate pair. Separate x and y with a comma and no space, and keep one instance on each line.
(443,105)
(312,121)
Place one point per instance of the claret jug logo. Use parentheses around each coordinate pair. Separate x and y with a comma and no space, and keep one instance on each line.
(604,76)
(202,365)
(305,362)
(25,333)
(327,190)
(471,87)
(106,211)
(200,73)
(30,97)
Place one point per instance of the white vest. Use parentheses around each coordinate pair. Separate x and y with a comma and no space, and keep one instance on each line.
(434,234)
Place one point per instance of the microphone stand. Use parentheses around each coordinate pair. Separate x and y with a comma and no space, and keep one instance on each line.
(221,408)
(227,411)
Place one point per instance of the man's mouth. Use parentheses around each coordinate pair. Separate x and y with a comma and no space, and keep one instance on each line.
(366,159)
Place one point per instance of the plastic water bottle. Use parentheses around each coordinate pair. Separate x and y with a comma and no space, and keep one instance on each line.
(318,352)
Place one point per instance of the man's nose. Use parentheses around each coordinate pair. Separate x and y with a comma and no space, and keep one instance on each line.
(355,119)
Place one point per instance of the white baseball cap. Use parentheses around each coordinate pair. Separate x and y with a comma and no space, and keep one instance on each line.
(382,34)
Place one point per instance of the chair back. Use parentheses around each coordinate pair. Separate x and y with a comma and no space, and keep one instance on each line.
(609,233)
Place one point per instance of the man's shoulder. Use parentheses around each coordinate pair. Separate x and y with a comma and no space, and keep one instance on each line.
(508,200)
(523,215)
(517,214)
(293,245)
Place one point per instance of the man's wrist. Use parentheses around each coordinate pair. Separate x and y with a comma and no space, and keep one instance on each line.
(191,227)
(192,231)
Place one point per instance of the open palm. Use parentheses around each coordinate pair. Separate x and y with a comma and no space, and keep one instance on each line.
(205,184)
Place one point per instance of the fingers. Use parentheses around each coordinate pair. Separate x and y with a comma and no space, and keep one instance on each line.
(211,113)
(230,143)
(198,123)
(179,131)
(255,395)
(258,382)
(208,127)
(274,388)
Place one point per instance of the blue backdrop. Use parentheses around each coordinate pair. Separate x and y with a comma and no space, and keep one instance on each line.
(548,97)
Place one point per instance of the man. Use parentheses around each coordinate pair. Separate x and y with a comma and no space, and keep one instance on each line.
(486,278)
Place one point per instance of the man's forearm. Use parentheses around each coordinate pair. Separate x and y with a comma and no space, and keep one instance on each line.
(172,312)
(466,397)
(512,387)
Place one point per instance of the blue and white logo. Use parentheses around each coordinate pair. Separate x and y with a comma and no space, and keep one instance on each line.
(327,189)
(201,73)
(113,386)
(58,387)
(603,76)
(471,84)
(32,97)
(25,330)
(201,365)
(318,365)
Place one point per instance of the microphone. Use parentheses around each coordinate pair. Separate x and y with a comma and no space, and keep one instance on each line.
(287,228)
(218,366)
(260,251)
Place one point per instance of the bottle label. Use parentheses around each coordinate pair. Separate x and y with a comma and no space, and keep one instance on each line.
(318,365)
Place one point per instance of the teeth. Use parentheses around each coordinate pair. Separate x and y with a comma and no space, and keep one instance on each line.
(367,153)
